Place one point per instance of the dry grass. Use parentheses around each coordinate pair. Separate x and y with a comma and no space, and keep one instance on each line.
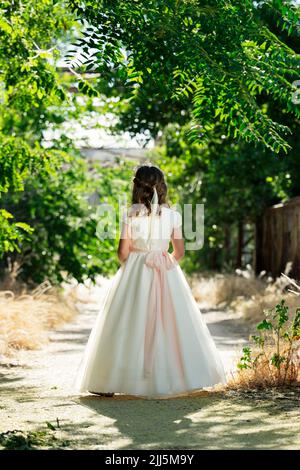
(221,290)
(252,309)
(26,319)
(263,375)
(242,292)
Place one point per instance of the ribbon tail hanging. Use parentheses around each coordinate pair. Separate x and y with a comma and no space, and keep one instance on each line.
(154,212)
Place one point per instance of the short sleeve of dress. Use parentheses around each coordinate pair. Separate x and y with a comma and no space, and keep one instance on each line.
(125,225)
(177,219)
(125,218)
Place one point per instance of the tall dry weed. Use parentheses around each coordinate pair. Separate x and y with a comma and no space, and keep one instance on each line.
(243,292)
(25,320)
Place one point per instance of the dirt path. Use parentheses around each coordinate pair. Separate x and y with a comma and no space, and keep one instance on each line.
(39,390)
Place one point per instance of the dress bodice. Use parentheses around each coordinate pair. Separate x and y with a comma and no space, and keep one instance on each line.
(154,232)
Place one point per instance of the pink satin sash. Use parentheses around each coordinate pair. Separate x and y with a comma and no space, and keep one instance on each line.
(160,311)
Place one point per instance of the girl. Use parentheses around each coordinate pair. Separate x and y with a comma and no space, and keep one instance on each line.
(149,338)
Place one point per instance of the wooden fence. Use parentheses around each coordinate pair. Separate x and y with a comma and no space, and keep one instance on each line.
(280,239)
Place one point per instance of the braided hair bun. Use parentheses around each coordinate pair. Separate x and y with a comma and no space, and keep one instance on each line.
(146,178)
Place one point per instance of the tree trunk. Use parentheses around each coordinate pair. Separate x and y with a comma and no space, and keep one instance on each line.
(213,259)
(240,244)
(258,255)
(227,244)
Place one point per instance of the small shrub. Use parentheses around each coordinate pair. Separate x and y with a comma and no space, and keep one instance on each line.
(273,360)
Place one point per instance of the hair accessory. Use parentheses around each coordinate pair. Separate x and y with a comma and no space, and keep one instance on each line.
(154,212)
(154,201)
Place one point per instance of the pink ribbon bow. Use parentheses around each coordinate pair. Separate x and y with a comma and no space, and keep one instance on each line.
(160,310)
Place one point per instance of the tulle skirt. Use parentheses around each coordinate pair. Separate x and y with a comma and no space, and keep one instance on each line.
(149,338)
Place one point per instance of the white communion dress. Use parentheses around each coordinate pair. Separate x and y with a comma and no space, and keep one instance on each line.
(149,338)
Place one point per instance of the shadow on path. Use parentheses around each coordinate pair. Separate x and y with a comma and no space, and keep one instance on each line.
(198,422)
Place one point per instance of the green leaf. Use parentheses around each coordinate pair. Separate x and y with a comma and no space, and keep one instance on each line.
(50,426)
(7,215)
(24,227)
(264,325)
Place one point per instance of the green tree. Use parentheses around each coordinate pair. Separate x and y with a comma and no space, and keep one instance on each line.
(62,243)
(44,185)
(235,181)
(197,62)
(29,36)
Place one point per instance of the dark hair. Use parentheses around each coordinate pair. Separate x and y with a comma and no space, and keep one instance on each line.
(145,178)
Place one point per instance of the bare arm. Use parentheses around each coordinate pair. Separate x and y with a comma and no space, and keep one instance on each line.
(177,243)
(124,244)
